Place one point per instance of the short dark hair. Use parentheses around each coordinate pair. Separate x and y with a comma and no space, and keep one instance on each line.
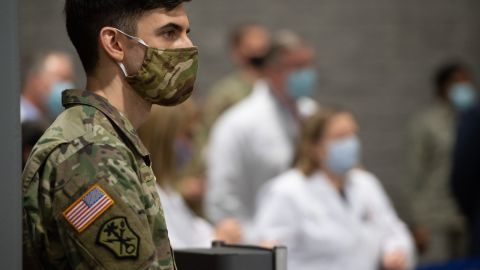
(239,32)
(85,19)
(444,76)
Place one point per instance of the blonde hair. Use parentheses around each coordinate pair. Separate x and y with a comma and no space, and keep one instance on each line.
(313,131)
(158,134)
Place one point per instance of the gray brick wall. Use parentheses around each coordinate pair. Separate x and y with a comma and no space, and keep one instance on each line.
(374,56)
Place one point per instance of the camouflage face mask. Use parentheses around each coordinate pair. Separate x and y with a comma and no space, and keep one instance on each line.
(167,76)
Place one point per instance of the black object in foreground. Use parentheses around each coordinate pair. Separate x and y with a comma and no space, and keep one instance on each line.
(228,257)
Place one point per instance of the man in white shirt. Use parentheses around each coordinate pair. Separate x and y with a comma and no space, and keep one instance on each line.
(254,141)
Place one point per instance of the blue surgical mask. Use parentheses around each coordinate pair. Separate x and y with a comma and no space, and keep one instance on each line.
(54,99)
(343,155)
(302,83)
(463,96)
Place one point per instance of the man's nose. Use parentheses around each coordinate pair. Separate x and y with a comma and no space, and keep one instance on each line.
(186,42)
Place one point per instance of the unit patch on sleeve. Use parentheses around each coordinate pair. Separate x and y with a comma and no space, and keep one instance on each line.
(119,238)
(91,205)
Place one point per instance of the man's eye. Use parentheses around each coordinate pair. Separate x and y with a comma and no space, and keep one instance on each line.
(170,35)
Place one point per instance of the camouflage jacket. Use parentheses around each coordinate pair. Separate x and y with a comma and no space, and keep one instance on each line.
(430,143)
(89,197)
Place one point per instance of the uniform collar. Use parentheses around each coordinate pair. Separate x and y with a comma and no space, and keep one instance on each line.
(75,97)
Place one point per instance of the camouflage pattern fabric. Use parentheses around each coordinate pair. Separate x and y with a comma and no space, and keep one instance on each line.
(431,137)
(92,145)
(430,142)
(167,77)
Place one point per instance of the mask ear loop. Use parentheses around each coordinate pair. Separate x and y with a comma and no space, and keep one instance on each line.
(124,70)
(137,39)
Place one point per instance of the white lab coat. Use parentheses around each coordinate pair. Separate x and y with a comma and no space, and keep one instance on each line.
(325,231)
(185,229)
(250,144)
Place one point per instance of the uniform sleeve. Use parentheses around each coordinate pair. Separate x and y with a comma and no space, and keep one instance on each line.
(107,214)
(217,102)
(223,95)
(224,172)
(417,161)
(418,141)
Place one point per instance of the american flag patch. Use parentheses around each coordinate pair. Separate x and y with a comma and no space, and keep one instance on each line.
(88,208)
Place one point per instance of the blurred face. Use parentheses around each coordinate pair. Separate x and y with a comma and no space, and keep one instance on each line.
(160,29)
(254,45)
(461,92)
(461,76)
(341,127)
(57,68)
(279,74)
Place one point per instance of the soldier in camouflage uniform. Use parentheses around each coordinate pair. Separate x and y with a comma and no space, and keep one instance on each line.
(89,192)
(439,226)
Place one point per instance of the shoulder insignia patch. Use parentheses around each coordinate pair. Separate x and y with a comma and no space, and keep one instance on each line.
(119,238)
(91,205)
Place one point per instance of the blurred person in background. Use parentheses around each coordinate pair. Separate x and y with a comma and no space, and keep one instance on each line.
(168,135)
(329,213)
(439,227)
(249,44)
(47,76)
(254,140)
(466,174)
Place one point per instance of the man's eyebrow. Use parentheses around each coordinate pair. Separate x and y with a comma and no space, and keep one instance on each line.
(171,26)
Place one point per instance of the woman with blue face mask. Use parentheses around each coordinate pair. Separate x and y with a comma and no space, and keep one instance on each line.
(328,212)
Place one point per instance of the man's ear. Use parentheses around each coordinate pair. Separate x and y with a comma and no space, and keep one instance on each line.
(110,43)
